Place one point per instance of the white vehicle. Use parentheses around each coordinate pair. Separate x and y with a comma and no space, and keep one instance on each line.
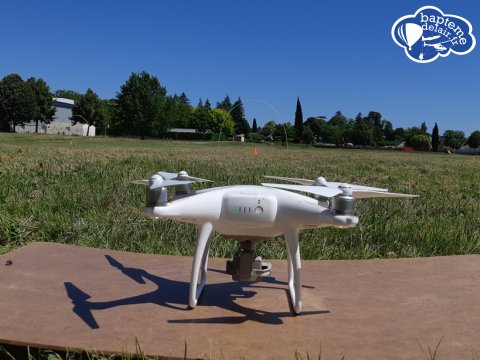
(249,213)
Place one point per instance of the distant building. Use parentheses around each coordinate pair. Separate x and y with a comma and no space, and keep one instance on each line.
(239,137)
(61,124)
(467,150)
(184,134)
(183,131)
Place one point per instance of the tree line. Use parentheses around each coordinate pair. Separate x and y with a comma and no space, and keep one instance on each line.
(143,108)
(371,130)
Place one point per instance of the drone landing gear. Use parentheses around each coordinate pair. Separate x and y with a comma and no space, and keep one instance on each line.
(294,270)
(200,263)
(246,267)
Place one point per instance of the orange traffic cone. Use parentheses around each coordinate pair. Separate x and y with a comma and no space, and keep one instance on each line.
(254,151)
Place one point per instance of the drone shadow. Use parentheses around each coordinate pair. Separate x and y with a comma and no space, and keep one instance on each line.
(173,294)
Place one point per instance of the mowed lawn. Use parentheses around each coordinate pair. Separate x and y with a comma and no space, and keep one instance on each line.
(77,191)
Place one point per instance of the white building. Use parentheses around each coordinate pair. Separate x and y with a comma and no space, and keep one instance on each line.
(61,124)
(239,137)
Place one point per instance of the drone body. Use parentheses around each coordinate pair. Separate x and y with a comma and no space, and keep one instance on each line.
(249,214)
(244,212)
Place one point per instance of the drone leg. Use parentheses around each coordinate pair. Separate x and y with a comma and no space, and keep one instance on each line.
(200,261)
(294,269)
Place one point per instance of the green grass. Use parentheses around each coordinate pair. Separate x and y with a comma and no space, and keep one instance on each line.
(77,191)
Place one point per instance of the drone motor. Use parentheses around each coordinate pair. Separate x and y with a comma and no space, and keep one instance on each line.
(344,203)
(156,197)
(157,193)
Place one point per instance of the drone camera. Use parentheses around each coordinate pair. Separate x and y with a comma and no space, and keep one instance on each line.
(246,267)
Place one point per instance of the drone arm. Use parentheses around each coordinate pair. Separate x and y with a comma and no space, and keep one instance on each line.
(294,269)
(200,262)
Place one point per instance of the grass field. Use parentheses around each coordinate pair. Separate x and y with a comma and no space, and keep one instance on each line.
(77,191)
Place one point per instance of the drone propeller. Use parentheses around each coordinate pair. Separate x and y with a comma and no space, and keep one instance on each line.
(317,190)
(359,194)
(319,187)
(182,175)
(141,182)
(294,180)
(344,189)
(164,179)
(157,181)
(320,181)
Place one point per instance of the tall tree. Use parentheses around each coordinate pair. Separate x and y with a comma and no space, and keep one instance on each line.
(316,126)
(338,120)
(298,121)
(423,127)
(269,128)
(420,142)
(307,136)
(399,134)
(225,104)
(183,99)
(453,138)
(375,120)
(109,112)
(140,105)
(207,105)
(88,110)
(254,125)
(284,132)
(474,140)
(17,102)
(238,114)
(388,130)
(178,111)
(362,133)
(221,122)
(201,119)
(435,138)
(44,110)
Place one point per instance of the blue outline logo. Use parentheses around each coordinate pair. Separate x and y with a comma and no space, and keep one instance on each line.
(429,34)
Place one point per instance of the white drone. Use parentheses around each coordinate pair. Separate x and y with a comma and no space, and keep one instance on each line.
(249,214)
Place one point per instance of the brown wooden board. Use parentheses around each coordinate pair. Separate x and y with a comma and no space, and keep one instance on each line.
(60,296)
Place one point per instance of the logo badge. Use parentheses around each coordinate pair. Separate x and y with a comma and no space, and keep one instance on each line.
(429,34)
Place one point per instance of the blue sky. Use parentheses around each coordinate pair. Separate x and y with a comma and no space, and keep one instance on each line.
(334,55)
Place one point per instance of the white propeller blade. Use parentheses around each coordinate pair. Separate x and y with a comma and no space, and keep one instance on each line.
(182,175)
(141,182)
(326,184)
(331,191)
(294,180)
(195,179)
(359,194)
(167,175)
(356,187)
(327,192)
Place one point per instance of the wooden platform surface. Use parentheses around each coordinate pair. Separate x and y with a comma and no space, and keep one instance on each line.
(59,296)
